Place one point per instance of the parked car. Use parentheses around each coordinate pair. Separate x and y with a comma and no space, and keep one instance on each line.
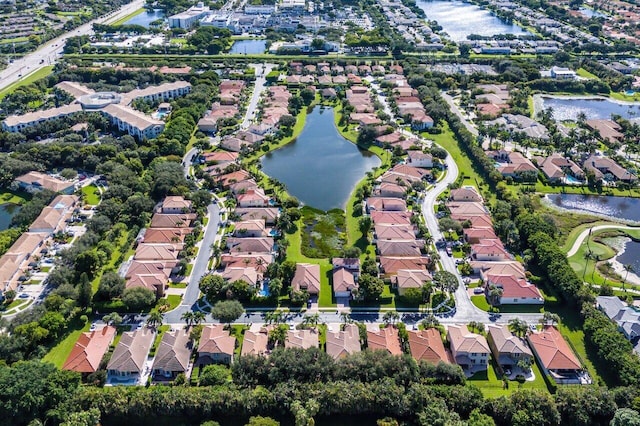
(449,252)
(478,290)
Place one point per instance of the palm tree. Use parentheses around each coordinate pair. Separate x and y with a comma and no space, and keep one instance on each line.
(628,268)
(345,317)
(588,255)
(495,293)
(199,317)
(155,319)
(549,318)
(188,318)
(518,327)
(390,317)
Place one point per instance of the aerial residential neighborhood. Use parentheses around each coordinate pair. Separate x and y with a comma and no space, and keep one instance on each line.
(294,212)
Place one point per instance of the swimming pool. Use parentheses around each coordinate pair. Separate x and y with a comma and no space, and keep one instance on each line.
(570,179)
(264,289)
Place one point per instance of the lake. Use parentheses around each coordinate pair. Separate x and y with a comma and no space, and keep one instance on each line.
(459,19)
(321,167)
(631,256)
(146,18)
(618,207)
(248,47)
(568,109)
(7,212)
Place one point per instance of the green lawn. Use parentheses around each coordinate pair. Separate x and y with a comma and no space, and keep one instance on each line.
(492,387)
(480,301)
(91,195)
(174,301)
(161,330)
(13,197)
(14,40)
(59,353)
(586,74)
(124,19)
(584,190)
(237,331)
(28,79)
(120,245)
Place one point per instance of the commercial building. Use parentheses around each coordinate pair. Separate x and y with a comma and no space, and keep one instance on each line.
(189,17)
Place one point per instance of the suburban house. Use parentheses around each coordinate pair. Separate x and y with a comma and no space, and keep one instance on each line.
(250,245)
(343,282)
(559,169)
(301,339)
(607,169)
(86,355)
(352,264)
(470,350)
(129,356)
(466,193)
(561,73)
(388,189)
(344,342)
(419,159)
(609,130)
(393,232)
(53,217)
(390,265)
(626,317)
(253,198)
(475,235)
(216,345)
(386,204)
(173,354)
(248,275)
(255,343)
(427,345)
(514,290)
(385,339)
(268,214)
(175,204)
(506,348)
(37,181)
(254,228)
(490,250)
(399,247)
(410,278)
(307,278)
(556,357)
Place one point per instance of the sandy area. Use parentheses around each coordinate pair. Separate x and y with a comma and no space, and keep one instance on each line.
(619,244)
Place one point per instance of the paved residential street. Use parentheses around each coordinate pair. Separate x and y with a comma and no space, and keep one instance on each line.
(449,100)
(261,79)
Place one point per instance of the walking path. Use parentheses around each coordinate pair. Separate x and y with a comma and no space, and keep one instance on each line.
(584,234)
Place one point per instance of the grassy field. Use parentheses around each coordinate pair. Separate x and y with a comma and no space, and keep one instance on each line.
(14,40)
(91,195)
(59,353)
(124,19)
(480,301)
(493,387)
(28,79)
(174,301)
(13,197)
(586,74)
(584,190)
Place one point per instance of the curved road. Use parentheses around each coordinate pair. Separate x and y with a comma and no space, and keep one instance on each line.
(584,234)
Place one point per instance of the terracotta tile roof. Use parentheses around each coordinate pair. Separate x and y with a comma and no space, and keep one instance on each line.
(216,340)
(465,194)
(505,342)
(131,352)
(427,345)
(307,277)
(386,339)
(342,343)
(393,218)
(462,340)
(553,351)
(255,343)
(248,275)
(89,349)
(392,264)
(394,232)
(412,278)
(302,339)
(343,280)
(173,352)
(44,181)
(407,248)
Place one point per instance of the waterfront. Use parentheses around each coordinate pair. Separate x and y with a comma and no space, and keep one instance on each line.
(625,208)
(568,108)
(320,167)
(7,211)
(248,47)
(459,19)
(146,18)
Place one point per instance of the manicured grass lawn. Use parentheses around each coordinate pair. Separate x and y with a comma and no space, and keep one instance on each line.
(124,19)
(59,353)
(174,301)
(178,285)
(480,301)
(34,76)
(492,387)
(238,331)
(91,194)
(14,40)
(182,41)
(573,189)
(13,197)
(586,74)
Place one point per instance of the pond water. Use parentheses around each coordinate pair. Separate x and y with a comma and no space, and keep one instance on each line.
(568,109)
(626,208)
(460,19)
(7,212)
(590,13)
(145,18)
(631,255)
(321,167)
(248,47)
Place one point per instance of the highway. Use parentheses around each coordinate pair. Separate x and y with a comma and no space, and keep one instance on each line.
(51,51)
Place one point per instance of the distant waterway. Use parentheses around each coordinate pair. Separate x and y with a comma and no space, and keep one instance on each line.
(624,208)
(568,107)
(146,18)
(7,212)
(248,47)
(459,19)
(321,168)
